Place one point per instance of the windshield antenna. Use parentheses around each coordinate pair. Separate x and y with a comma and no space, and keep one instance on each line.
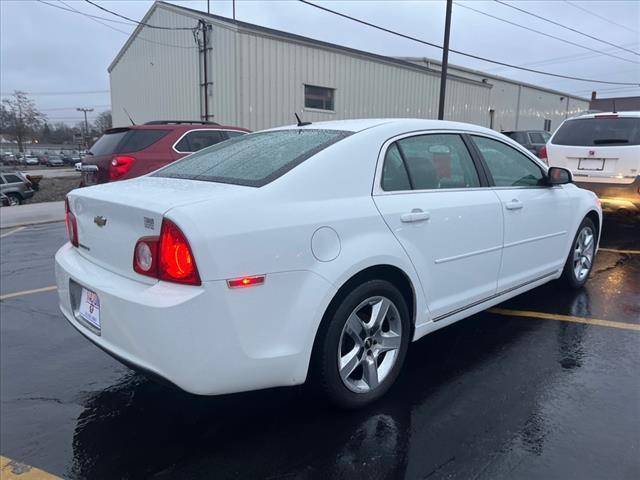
(130,119)
(300,122)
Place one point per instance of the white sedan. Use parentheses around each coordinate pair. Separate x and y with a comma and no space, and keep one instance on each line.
(316,253)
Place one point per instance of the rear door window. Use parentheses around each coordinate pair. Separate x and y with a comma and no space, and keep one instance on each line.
(199,139)
(126,141)
(591,132)
(536,138)
(255,159)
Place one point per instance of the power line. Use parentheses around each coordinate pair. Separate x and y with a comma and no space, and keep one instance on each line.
(58,109)
(128,34)
(600,52)
(601,17)
(69,9)
(136,21)
(477,57)
(501,2)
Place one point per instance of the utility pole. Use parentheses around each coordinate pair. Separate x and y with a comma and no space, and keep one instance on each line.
(445,60)
(86,125)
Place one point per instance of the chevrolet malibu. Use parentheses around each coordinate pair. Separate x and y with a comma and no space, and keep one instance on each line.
(317,252)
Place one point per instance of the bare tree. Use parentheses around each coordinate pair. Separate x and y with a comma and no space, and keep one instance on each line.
(103,121)
(19,117)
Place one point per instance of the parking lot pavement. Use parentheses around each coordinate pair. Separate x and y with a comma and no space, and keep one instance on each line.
(536,389)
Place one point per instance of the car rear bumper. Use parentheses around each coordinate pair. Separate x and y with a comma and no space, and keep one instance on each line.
(616,196)
(205,340)
(27,194)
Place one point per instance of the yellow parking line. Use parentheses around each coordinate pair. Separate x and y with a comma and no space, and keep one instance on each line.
(566,318)
(12,232)
(613,250)
(13,470)
(6,296)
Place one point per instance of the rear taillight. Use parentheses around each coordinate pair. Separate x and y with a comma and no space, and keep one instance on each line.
(72,224)
(168,257)
(542,154)
(120,165)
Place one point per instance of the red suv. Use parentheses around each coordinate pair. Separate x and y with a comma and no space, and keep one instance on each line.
(128,152)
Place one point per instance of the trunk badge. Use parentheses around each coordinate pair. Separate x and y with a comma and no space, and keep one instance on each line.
(100,220)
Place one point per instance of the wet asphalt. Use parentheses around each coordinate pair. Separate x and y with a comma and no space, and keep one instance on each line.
(491,397)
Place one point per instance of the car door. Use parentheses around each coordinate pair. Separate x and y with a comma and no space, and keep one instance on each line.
(536,215)
(435,200)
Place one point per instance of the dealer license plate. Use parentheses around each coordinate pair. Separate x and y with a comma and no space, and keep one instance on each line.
(90,307)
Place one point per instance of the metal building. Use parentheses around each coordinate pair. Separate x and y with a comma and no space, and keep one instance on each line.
(236,73)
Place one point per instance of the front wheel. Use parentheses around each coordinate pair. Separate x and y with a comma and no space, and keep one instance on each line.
(581,257)
(362,345)
(14,199)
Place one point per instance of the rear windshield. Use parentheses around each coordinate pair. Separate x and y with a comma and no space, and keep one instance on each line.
(126,141)
(590,132)
(253,160)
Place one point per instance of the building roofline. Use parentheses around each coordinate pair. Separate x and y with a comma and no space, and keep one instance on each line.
(496,77)
(250,27)
(406,62)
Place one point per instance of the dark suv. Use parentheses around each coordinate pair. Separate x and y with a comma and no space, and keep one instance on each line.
(128,152)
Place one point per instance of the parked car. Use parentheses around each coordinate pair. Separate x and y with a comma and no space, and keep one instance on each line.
(532,140)
(128,152)
(30,160)
(16,187)
(602,151)
(316,252)
(55,161)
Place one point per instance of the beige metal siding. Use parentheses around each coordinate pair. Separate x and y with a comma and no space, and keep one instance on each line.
(157,76)
(272,74)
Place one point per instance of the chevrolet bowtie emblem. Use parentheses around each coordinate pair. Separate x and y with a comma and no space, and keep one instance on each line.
(100,221)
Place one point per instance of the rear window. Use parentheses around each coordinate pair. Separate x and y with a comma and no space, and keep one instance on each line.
(591,132)
(255,159)
(126,141)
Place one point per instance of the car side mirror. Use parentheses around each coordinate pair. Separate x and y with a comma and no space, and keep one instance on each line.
(558,176)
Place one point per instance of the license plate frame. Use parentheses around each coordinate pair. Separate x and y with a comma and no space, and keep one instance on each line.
(591,164)
(89,308)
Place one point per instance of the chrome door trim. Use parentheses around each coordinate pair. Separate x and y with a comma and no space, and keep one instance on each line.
(535,239)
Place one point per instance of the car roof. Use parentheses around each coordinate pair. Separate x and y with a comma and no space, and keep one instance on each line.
(633,114)
(390,124)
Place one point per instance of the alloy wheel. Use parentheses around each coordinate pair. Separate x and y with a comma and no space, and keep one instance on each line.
(583,251)
(369,344)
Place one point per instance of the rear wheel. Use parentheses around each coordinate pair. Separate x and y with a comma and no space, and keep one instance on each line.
(14,199)
(582,255)
(362,345)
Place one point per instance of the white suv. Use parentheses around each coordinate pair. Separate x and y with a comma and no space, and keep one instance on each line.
(602,150)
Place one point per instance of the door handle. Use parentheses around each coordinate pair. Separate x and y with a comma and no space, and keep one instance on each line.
(416,215)
(514,204)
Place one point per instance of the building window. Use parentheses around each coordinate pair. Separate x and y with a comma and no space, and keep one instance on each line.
(319,98)
(547,125)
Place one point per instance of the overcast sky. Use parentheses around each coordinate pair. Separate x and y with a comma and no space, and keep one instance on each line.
(58,55)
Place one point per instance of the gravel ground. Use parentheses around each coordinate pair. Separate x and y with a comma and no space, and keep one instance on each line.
(54,189)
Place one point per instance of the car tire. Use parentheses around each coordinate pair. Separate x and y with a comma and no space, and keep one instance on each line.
(14,199)
(580,260)
(351,373)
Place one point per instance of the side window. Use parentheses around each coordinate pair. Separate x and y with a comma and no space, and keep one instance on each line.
(199,139)
(2,180)
(536,137)
(438,161)
(508,167)
(13,179)
(394,174)
(234,133)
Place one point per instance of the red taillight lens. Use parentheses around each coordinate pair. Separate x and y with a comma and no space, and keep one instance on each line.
(176,262)
(542,153)
(72,224)
(120,165)
(145,257)
(167,257)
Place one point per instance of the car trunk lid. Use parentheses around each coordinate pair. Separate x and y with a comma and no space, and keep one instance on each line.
(112,217)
